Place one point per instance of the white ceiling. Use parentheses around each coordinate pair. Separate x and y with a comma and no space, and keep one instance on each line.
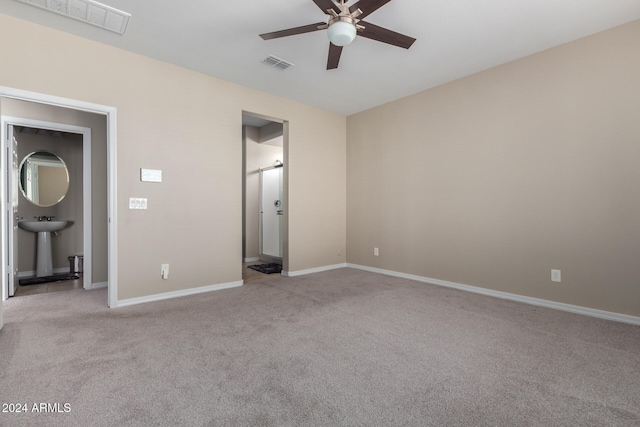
(455,38)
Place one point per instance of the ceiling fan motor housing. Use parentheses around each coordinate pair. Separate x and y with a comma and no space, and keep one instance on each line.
(343,26)
(342,30)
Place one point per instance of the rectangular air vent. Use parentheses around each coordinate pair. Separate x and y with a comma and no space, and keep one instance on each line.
(276,62)
(88,11)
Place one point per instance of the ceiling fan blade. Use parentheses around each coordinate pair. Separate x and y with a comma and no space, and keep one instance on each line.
(293,31)
(384,35)
(324,5)
(368,6)
(334,56)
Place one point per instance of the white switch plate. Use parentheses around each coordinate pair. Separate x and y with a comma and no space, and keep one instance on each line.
(151,175)
(137,203)
(556,276)
(376,252)
(164,271)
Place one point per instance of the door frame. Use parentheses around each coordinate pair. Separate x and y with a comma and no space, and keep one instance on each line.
(285,185)
(87,232)
(112,233)
(10,161)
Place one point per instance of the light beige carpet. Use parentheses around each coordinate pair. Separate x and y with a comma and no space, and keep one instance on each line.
(344,347)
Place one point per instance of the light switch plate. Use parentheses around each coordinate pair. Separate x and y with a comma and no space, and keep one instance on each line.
(150,175)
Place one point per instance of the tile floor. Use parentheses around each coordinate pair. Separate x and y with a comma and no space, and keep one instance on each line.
(252,276)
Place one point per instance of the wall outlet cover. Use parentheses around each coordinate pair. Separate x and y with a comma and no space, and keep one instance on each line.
(137,203)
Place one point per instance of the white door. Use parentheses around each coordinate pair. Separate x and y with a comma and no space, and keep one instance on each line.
(12,206)
(271,212)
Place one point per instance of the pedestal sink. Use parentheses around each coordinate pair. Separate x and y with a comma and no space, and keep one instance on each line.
(44,263)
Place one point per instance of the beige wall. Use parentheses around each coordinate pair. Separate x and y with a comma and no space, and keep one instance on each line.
(189,126)
(495,179)
(257,155)
(490,181)
(98,125)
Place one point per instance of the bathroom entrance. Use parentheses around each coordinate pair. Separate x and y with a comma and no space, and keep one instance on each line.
(50,114)
(46,182)
(265,192)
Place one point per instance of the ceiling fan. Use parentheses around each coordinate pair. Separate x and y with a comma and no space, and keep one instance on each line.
(344,23)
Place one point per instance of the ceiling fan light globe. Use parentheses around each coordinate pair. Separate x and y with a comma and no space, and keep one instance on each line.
(341,33)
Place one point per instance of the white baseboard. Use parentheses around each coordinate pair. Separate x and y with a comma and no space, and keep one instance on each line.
(313,270)
(252,259)
(98,285)
(608,315)
(176,294)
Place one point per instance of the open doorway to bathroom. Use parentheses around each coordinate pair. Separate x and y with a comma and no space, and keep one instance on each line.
(264,196)
(31,110)
(47,186)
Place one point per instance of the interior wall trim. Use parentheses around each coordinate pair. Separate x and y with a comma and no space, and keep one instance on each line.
(176,294)
(576,309)
(313,270)
(98,285)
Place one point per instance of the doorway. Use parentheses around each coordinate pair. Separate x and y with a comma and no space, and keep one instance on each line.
(49,177)
(38,100)
(265,190)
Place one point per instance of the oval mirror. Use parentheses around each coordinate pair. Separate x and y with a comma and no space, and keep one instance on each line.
(44,178)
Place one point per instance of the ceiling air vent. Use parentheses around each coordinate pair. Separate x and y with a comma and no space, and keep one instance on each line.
(276,62)
(88,11)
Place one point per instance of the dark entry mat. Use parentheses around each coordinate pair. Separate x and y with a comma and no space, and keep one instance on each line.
(47,279)
(266,268)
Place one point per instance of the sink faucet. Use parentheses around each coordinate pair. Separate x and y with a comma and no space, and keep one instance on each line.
(44,218)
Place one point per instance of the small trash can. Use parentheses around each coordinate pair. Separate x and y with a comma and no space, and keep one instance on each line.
(75,263)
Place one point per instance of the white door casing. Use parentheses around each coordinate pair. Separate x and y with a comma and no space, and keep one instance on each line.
(110,113)
(12,210)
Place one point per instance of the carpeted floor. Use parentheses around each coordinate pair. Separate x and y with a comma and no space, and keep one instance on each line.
(344,347)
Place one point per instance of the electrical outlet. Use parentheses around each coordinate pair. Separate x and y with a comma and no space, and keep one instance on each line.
(556,276)
(376,252)
(164,271)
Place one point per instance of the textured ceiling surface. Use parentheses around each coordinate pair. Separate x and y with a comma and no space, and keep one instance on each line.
(454,39)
